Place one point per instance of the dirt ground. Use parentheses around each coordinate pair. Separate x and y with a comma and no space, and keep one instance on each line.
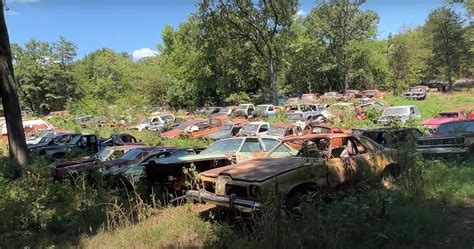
(460,234)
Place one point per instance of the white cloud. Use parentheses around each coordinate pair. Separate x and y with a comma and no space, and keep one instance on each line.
(143,52)
(22,1)
(11,13)
(301,13)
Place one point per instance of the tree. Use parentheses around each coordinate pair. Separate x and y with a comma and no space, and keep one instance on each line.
(259,22)
(11,106)
(444,27)
(339,23)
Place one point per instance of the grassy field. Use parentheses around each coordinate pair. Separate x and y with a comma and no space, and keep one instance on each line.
(419,213)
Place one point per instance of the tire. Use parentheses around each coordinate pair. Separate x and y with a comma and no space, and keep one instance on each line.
(390,176)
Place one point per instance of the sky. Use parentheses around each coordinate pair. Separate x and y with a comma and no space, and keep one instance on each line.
(135,26)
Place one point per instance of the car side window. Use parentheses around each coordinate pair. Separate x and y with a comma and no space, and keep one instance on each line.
(269,143)
(251,145)
(412,111)
(360,149)
(270,109)
(263,128)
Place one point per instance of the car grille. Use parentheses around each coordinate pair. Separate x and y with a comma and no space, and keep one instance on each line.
(239,191)
(443,141)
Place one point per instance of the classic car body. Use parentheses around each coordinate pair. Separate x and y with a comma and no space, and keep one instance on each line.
(49,138)
(181,128)
(341,111)
(332,96)
(444,117)
(63,170)
(315,127)
(168,172)
(254,129)
(245,110)
(280,131)
(371,94)
(156,123)
(120,139)
(416,92)
(309,98)
(372,105)
(325,162)
(390,137)
(230,129)
(266,110)
(399,114)
(351,94)
(302,111)
(213,125)
(452,138)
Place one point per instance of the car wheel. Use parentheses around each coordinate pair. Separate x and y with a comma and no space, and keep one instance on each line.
(390,176)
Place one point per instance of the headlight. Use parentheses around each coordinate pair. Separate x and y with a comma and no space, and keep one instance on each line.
(254,191)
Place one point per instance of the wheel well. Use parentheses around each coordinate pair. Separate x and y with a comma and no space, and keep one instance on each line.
(303,188)
(394,169)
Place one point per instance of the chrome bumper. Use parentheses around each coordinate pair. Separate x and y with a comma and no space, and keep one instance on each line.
(444,150)
(230,201)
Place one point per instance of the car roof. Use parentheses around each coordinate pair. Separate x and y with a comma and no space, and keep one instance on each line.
(318,136)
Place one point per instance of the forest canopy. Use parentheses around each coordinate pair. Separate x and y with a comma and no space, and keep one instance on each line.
(217,54)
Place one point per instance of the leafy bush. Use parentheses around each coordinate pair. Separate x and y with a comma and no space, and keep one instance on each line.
(238,98)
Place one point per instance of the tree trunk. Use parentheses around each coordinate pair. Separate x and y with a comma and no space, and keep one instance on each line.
(11,107)
(272,75)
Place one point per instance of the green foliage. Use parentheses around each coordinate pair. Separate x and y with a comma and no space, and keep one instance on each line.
(238,98)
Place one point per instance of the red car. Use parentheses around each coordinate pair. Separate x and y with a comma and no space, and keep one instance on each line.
(445,117)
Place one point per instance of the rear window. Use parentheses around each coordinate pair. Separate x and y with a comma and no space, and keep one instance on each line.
(458,127)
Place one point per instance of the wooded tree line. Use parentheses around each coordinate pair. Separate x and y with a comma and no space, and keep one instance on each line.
(231,47)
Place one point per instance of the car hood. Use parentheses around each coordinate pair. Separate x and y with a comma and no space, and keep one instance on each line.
(257,170)
(438,121)
(172,133)
(219,135)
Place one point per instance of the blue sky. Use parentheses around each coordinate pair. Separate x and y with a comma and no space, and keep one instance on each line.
(134,26)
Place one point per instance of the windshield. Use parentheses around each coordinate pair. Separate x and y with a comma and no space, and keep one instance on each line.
(243,107)
(130,155)
(223,146)
(458,127)
(262,108)
(103,154)
(46,139)
(277,131)
(396,111)
(250,128)
(283,150)
(75,139)
(447,115)
(166,118)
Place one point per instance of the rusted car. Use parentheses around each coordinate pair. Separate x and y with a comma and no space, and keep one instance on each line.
(416,93)
(390,137)
(452,138)
(280,131)
(324,163)
(332,96)
(168,172)
(181,128)
(309,98)
(315,127)
(63,170)
(444,117)
(350,94)
(206,128)
(231,128)
(371,94)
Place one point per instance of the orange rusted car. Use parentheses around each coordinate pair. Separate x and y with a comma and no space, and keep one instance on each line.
(315,127)
(371,94)
(324,163)
(213,125)
(181,128)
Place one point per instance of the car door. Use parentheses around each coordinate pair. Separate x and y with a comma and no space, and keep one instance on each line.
(251,148)
(271,111)
(341,163)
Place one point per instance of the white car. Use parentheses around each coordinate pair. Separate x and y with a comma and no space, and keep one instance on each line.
(255,128)
(399,114)
(156,122)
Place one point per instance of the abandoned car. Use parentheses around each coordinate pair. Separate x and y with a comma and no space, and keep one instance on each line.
(452,138)
(324,163)
(416,93)
(301,111)
(399,114)
(254,129)
(444,117)
(390,137)
(168,172)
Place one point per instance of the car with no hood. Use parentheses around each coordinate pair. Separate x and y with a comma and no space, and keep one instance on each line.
(324,162)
